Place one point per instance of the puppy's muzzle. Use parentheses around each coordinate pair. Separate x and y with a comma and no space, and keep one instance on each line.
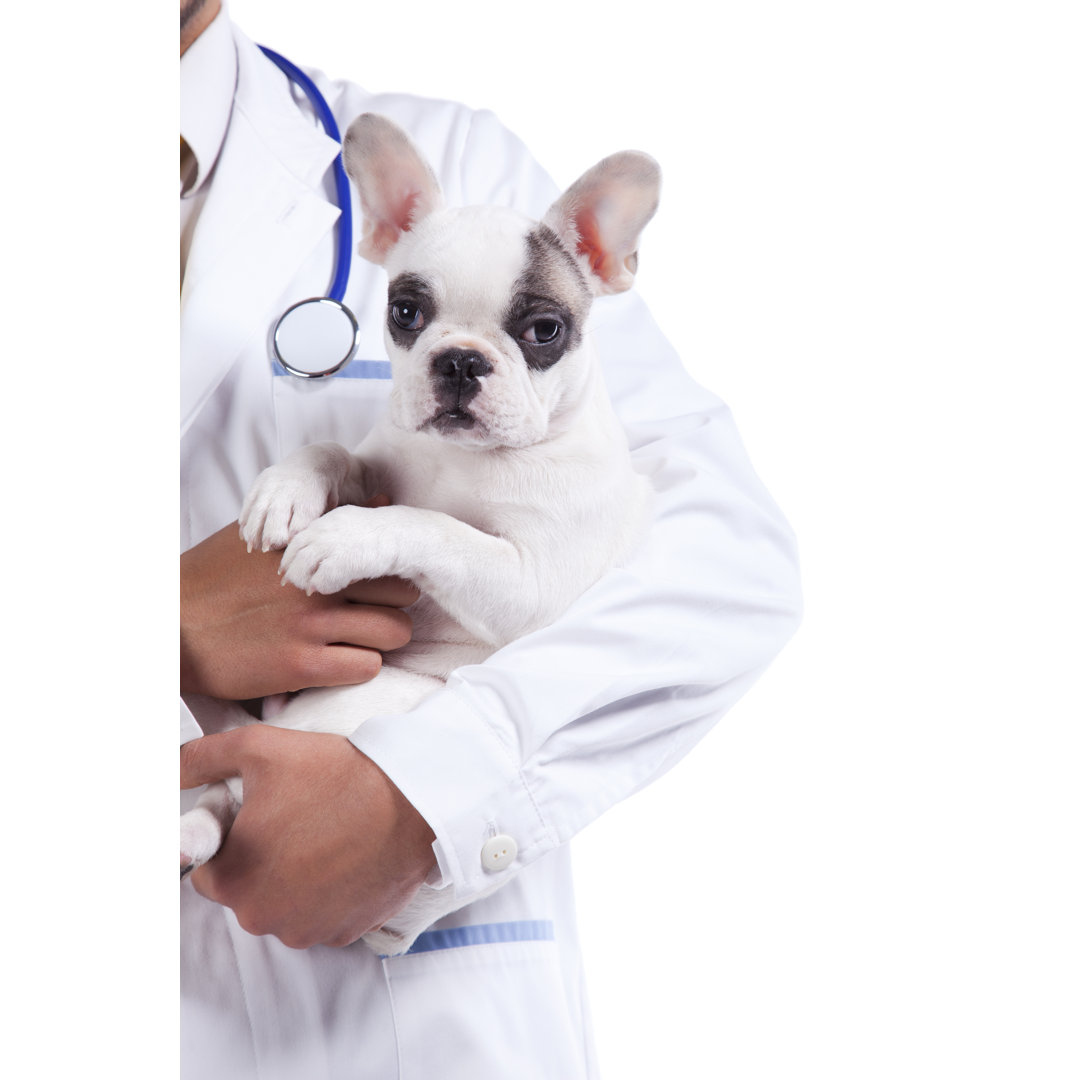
(457,374)
(460,367)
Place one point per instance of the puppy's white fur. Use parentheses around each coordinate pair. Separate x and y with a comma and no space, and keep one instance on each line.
(511,485)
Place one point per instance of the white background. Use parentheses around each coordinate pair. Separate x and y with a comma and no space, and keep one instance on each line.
(868,246)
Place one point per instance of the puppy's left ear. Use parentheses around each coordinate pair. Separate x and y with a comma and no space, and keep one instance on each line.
(601,217)
(397,187)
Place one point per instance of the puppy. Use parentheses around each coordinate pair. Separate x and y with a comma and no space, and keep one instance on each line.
(510,480)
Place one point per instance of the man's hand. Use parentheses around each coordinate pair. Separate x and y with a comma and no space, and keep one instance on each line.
(244,635)
(325,847)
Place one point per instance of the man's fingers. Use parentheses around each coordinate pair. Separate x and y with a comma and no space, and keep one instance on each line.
(344,665)
(381,628)
(218,879)
(387,591)
(213,757)
(290,868)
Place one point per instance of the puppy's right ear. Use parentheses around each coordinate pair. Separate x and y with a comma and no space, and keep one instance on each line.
(397,187)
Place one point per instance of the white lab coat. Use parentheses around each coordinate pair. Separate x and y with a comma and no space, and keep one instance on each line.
(534,743)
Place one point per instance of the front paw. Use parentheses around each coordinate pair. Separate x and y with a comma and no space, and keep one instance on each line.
(339,548)
(282,503)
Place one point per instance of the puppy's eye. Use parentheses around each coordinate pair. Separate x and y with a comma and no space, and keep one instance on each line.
(542,332)
(407,315)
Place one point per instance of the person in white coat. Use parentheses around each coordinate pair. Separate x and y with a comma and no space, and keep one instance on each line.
(526,749)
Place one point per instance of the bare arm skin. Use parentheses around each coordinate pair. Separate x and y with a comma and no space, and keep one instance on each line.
(325,847)
(243,635)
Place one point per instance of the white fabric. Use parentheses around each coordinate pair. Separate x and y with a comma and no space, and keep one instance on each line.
(207,85)
(537,741)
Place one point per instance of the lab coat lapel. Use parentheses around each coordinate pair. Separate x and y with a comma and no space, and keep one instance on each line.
(264,215)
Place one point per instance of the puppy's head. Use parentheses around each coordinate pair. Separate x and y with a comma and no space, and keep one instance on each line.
(487,308)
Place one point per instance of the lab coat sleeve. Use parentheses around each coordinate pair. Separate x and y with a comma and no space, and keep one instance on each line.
(189,726)
(552,730)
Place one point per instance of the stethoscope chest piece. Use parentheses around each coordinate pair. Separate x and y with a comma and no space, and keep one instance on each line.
(316,338)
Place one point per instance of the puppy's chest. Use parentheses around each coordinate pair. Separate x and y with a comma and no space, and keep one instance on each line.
(475,490)
(482,506)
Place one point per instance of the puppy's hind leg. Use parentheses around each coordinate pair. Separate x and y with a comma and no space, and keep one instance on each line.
(203,827)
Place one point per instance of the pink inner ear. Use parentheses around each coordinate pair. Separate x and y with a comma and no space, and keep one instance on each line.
(589,244)
(384,236)
(405,212)
(399,217)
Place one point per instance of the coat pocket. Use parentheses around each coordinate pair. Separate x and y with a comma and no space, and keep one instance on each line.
(484,1003)
(339,409)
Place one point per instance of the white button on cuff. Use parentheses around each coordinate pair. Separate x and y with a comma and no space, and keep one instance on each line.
(498,853)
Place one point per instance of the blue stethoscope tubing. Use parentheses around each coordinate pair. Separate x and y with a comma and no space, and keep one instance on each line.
(334,300)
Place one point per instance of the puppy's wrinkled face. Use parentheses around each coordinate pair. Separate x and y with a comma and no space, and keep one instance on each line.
(484,324)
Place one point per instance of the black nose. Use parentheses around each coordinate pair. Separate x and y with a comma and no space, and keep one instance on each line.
(460,366)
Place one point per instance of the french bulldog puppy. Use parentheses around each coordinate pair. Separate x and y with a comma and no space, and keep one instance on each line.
(510,480)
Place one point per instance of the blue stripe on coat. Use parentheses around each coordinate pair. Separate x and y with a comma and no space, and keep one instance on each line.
(484,934)
(358,369)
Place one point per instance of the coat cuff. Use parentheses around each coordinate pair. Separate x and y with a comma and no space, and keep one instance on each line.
(445,746)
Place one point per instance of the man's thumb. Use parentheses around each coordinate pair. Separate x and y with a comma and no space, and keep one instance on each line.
(213,757)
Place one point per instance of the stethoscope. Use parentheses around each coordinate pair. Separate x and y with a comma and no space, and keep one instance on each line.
(318,337)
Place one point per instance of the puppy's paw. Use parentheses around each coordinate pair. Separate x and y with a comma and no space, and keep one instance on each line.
(282,503)
(339,548)
(201,834)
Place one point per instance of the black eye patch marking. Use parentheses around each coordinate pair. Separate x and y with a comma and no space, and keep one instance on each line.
(411,306)
(549,303)
(544,329)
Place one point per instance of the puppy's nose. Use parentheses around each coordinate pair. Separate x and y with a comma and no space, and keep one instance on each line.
(460,366)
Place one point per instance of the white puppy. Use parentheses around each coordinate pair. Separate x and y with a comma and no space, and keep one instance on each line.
(510,478)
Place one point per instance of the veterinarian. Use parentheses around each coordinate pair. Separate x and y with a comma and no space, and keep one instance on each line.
(489,778)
